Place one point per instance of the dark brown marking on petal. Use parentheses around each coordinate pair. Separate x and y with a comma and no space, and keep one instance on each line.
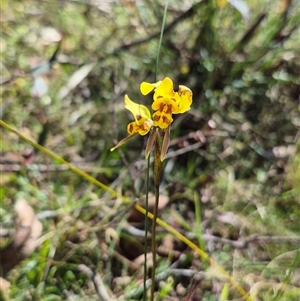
(130,128)
(166,120)
(156,118)
(138,117)
(169,110)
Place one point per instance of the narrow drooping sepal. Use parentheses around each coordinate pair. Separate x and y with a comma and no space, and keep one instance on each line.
(166,143)
(152,138)
(123,141)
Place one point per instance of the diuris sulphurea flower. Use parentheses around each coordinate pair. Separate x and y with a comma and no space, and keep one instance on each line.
(165,103)
(142,123)
(142,116)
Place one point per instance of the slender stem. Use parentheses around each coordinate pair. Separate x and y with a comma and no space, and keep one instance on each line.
(146,231)
(153,242)
(160,40)
(157,166)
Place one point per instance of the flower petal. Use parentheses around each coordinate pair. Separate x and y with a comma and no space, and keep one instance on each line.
(162,119)
(140,112)
(165,88)
(142,129)
(146,127)
(157,105)
(133,128)
(186,98)
(123,141)
(146,88)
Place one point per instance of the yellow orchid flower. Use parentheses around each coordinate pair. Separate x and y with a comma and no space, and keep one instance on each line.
(142,124)
(142,116)
(166,101)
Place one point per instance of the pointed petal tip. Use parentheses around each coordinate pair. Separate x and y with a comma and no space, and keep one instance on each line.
(122,142)
(146,88)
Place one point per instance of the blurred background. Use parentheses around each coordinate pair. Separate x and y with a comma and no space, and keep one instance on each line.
(232,170)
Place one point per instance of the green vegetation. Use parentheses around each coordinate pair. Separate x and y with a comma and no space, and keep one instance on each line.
(232,173)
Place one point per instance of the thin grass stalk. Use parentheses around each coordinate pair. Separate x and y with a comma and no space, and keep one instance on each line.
(199,232)
(160,40)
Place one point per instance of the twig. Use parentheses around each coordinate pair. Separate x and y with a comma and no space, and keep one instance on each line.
(243,243)
(99,285)
(183,150)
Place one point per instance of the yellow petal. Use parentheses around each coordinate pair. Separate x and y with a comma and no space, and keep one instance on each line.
(165,88)
(146,127)
(157,104)
(133,128)
(143,129)
(146,88)
(140,112)
(162,120)
(186,98)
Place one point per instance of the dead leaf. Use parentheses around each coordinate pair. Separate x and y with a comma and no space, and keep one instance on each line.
(76,79)
(28,230)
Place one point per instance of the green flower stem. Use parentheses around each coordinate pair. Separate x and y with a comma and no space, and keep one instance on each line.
(157,166)
(146,231)
(160,40)
(153,242)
